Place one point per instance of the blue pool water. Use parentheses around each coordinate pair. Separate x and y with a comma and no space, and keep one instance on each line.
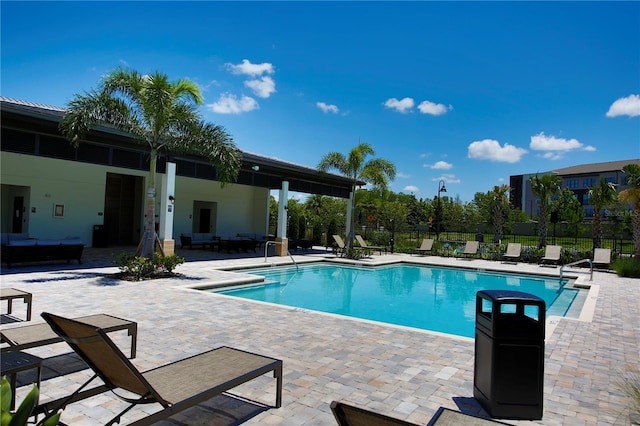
(430,298)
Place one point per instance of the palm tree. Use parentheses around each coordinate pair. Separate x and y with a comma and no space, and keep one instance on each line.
(159,114)
(602,196)
(376,171)
(631,195)
(500,205)
(544,187)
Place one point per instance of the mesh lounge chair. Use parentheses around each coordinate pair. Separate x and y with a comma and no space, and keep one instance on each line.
(426,246)
(601,258)
(348,415)
(513,252)
(364,245)
(551,255)
(342,246)
(470,249)
(176,386)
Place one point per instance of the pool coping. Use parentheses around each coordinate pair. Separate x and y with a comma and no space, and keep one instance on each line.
(587,310)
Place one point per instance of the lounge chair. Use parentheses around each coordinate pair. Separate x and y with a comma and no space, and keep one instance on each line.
(551,255)
(364,245)
(470,249)
(513,252)
(341,246)
(601,258)
(176,386)
(348,415)
(426,246)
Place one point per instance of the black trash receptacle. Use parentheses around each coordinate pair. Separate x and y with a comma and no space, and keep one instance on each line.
(480,238)
(99,236)
(508,377)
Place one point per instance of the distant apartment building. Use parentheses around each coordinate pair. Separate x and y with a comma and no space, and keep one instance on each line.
(578,179)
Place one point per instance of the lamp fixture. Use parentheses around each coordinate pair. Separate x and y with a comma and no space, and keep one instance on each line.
(255,167)
(172,199)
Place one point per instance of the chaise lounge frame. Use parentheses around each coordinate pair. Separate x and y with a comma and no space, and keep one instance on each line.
(175,386)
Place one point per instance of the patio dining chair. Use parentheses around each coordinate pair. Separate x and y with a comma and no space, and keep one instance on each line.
(175,386)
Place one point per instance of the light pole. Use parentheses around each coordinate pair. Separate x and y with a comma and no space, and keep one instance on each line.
(441,188)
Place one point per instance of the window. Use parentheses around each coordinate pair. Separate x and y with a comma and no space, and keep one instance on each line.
(573,183)
(586,199)
(588,182)
(610,180)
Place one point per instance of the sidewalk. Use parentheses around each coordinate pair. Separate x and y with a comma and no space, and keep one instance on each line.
(398,371)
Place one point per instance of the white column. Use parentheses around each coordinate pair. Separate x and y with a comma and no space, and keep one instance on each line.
(282,210)
(266,225)
(282,246)
(167,208)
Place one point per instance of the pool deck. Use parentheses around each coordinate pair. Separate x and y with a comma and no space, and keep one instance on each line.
(398,371)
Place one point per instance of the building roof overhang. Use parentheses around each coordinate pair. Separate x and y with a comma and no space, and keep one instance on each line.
(255,170)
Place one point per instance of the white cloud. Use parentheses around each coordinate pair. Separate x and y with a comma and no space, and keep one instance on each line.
(402,175)
(428,107)
(625,106)
(246,67)
(402,106)
(489,149)
(230,104)
(448,178)
(263,87)
(411,188)
(556,147)
(440,165)
(327,107)
(542,142)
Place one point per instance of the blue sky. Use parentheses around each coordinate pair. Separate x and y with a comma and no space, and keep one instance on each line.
(466,92)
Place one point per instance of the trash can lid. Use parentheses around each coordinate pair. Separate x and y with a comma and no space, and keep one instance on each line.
(508,295)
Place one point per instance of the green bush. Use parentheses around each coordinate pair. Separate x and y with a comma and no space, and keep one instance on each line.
(138,268)
(627,267)
(168,263)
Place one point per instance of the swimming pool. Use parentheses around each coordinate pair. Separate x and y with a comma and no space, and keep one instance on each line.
(430,298)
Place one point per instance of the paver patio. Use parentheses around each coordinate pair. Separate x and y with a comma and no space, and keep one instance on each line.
(398,371)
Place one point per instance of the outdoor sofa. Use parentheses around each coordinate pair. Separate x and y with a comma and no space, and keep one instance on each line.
(21,248)
(199,239)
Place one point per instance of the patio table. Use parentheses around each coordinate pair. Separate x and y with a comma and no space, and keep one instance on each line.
(9,294)
(31,336)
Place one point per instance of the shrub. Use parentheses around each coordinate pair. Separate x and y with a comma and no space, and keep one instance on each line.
(627,267)
(168,263)
(138,268)
(629,383)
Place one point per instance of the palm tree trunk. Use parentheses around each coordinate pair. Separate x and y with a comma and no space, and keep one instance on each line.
(542,226)
(352,219)
(597,229)
(148,242)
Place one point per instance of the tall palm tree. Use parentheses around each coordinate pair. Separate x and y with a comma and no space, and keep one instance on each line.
(500,207)
(544,187)
(631,195)
(157,113)
(376,171)
(602,196)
